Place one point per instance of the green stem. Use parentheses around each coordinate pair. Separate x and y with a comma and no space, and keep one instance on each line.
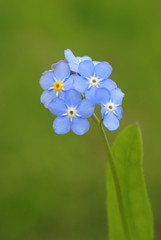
(115,175)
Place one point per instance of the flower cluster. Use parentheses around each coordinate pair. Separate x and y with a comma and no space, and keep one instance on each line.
(72,88)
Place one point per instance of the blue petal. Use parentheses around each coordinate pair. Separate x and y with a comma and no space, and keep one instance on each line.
(47,97)
(95,63)
(111,121)
(61,94)
(85,109)
(57,107)
(102,96)
(80,126)
(47,80)
(91,94)
(62,125)
(119,112)
(81,59)
(68,83)
(72,98)
(103,110)
(69,56)
(107,83)
(75,64)
(86,69)
(62,71)
(79,83)
(117,96)
(103,70)
(54,64)
(74,67)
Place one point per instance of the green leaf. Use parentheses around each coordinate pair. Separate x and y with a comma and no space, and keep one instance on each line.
(127,154)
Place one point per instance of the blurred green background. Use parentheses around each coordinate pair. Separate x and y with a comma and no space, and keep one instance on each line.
(53,187)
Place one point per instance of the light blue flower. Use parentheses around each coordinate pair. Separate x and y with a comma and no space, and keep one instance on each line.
(55,83)
(111,109)
(74,61)
(92,78)
(72,113)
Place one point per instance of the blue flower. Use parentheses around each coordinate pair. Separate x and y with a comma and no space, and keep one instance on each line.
(55,83)
(74,61)
(111,109)
(92,78)
(72,113)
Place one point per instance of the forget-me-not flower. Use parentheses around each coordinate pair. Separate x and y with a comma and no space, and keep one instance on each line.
(92,78)
(72,113)
(62,87)
(74,61)
(111,109)
(55,83)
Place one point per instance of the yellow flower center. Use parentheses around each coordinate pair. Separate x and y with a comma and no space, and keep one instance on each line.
(58,86)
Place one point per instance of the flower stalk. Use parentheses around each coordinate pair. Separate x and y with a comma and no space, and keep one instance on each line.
(114,174)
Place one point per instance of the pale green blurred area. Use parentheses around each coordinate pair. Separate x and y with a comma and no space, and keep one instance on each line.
(51,186)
